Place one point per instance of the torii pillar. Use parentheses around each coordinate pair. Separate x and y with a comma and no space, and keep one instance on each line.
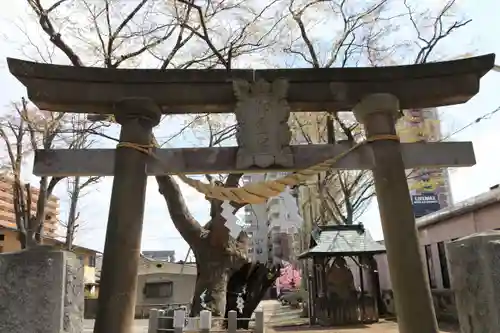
(116,304)
(412,295)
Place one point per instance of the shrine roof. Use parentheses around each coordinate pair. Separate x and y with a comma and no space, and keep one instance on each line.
(343,240)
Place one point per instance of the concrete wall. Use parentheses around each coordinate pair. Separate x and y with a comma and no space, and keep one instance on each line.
(444,227)
(87,256)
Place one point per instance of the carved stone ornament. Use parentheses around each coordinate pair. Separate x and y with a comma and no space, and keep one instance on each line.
(263,134)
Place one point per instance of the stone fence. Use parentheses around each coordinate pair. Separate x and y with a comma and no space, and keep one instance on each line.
(159,322)
(141,310)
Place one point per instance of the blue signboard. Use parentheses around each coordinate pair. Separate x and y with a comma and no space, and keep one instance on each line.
(425,203)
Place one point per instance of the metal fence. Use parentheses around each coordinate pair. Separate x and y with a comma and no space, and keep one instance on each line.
(159,322)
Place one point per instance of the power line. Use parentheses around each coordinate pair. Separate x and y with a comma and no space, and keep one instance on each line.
(472,123)
(485,116)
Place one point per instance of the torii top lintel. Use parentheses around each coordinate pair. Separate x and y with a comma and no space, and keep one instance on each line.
(95,90)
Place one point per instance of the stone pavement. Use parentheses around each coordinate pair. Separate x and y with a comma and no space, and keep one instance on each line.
(279,319)
(382,327)
(140,326)
(283,319)
(269,307)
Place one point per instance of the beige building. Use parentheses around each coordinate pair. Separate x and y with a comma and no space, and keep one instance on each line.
(7,215)
(162,283)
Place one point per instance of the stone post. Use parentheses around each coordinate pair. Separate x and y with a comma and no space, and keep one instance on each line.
(474,264)
(117,293)
(205,321)
(41,290)
(414,307)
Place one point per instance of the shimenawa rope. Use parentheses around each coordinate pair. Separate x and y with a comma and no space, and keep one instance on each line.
(259,192)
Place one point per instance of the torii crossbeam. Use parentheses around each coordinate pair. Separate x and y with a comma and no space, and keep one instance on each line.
(261,100)
(100,162)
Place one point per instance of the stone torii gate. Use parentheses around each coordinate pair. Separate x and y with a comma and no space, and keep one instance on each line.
(262,100)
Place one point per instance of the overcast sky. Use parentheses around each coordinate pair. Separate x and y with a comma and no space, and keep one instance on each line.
(159,232)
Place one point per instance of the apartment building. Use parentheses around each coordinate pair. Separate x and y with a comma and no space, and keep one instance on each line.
(270,239)
(7,215)
(255,217)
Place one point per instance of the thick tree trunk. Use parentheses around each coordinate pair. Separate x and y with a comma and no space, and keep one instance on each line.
(211,282)
(251,281)
(218,256)
(215,264)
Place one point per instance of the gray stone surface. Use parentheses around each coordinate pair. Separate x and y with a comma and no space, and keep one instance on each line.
(33,297)
(475,277)
(263,134)
(74,295)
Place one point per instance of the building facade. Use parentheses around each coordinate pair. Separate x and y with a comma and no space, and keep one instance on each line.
(162,283)
(255,218)
(270,241)
(7,214)
(429,187)
(474,215)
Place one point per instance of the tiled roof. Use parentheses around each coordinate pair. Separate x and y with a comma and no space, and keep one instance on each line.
(343,240)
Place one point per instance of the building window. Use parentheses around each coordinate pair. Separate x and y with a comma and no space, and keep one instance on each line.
(443,262)
(1,249)
(2,237)
(275,215)
(91,261)
(158,289)
(430,266)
